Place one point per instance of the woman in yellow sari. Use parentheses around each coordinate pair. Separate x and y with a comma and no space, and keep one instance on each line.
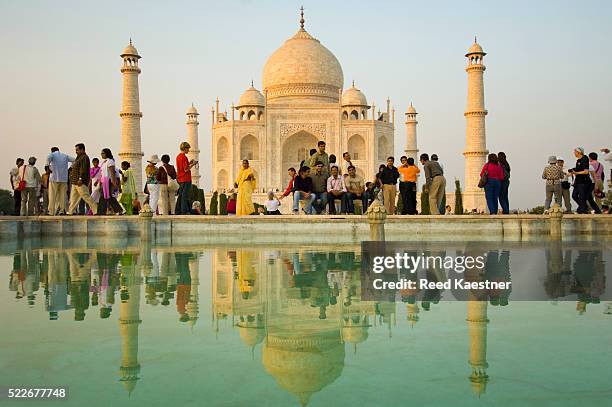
(246,184)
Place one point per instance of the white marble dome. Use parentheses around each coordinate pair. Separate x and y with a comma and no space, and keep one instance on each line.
(475,49)
(303,67)
(130,50)
(251,97)
(354,97)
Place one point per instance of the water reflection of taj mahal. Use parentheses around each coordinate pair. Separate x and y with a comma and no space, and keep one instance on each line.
(303,308)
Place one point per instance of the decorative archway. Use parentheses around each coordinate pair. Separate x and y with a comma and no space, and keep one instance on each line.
(383,149)
(296,148)
(356,147)
(222,149)
(222,180)
(249,148)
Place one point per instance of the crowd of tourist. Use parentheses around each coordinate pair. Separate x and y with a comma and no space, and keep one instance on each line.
(77,185)
(74,185)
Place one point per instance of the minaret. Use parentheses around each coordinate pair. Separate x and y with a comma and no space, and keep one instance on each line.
(411,137)
(129,320)
(192,307)
(192,139)
(131,146)
(476,141)
(477,328)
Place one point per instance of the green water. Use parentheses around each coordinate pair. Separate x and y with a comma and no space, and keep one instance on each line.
(132,324)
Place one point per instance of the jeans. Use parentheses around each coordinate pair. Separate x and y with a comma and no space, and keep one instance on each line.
(492,189)
(298,196)
(580,195)
(320,196)
(591,199)
(504,202)
(566,199)
(332,202)
(550,190)
(182,202)
(351,196)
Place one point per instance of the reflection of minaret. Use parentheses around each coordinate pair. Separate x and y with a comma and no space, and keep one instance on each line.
(131,147)
(476,140)
(192,139)
(129,320)
(477,328)
(193,309)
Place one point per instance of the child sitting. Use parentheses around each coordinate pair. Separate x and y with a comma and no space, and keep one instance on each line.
(272,204)
(196,208)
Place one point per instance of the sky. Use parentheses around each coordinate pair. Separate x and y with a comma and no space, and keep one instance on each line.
(548,82)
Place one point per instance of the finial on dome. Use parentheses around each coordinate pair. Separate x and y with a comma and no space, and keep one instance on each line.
(353,82)
(130,40)
(475,42)
(252,83)
(302,18)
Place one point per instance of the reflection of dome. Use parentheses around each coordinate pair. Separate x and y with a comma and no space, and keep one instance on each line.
(130,50)
(304,365)
(353,97)
(251,336)
(355,334)
(251,97)
(303,67)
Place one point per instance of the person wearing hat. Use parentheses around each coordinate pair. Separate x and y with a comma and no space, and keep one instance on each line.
(152,185)
(29,196)
(552,174)
(582,181)
(565,186)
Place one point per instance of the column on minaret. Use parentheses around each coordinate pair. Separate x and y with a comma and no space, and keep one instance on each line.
(476,142)
(129,320)
(411,135)
(192,139)
(131,146)
(477,328)
(193,308)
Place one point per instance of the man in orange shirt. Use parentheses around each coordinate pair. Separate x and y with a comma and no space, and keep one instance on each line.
(407,186)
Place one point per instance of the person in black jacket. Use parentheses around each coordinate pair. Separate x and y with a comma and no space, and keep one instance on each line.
(582,182)
(302,187)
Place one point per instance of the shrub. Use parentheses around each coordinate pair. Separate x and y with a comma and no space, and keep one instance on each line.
(213,204)
(458,198)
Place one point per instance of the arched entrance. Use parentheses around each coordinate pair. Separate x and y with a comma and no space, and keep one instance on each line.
(296,148)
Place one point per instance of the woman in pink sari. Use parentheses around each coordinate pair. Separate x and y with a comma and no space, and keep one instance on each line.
(109,183)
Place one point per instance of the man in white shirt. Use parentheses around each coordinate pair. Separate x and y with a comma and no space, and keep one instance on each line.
(336,190)
(15,178)
(58,180)
(346,163)
(29,196)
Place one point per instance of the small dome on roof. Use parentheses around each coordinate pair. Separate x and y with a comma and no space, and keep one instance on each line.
(130,50)
(354,97)
(475,49)
(192,110)
(411,109)
(251,97)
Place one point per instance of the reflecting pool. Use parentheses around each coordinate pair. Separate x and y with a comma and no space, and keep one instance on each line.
(131,324)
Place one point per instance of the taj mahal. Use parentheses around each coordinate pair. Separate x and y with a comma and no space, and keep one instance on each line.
(303,101)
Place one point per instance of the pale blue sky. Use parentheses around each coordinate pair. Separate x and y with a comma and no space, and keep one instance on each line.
(548,83)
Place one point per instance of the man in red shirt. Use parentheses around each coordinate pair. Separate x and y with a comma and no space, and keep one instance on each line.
(289,188)
(183,176)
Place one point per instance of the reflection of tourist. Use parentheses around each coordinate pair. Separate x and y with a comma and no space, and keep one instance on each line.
(183,286)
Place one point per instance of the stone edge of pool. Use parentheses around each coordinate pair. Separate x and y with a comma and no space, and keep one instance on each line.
(287,227)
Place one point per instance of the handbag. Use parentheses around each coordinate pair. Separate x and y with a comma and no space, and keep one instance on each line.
(565,185)
(22,184)
(484,178)
(173,184)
